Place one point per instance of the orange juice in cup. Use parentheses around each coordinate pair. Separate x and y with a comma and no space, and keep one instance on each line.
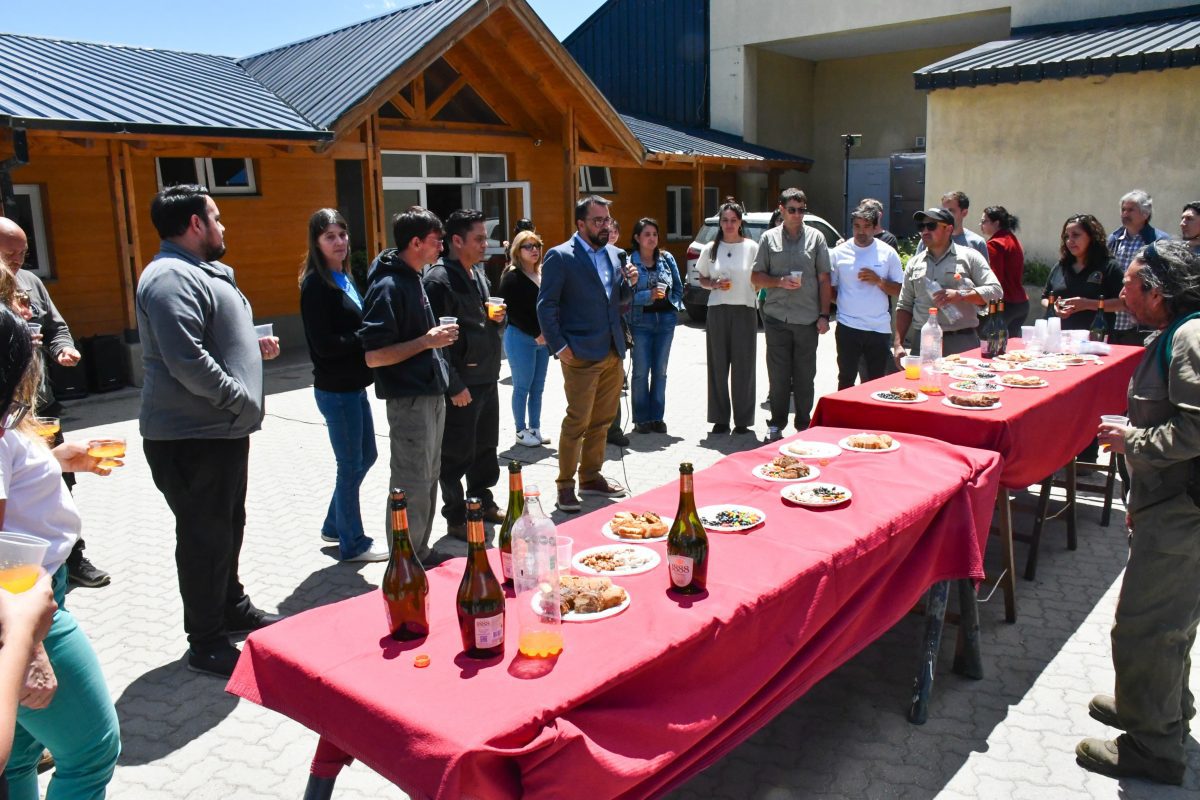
(20,560)
(47,427)
(495,308)
(912,367)
(108,450)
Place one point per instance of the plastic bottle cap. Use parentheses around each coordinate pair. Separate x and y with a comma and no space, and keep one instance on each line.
(420,661)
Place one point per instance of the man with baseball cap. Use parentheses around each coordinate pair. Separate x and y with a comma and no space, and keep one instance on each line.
(960,278)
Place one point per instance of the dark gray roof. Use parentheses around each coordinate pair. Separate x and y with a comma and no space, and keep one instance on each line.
(1101,51)
(658,137)
(327,75)
(88,86)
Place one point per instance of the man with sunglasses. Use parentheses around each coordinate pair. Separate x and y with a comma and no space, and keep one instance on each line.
(59,345)
(793,266)
(962,278)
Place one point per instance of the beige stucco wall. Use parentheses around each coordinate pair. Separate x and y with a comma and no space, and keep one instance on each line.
(1051,149)
(784,103)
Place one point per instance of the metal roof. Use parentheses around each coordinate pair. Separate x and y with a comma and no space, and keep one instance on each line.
(89,86)
(327,75)
(1101,51)
(657,137)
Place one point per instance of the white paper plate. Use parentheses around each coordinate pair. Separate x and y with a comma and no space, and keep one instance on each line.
(606,529)
(1044,367)
(652,560)
(1044,383)
(960,374)
(790,493)
(946,402)
(712,511)
(965,386)
(845,445)
(811,449)
(921,398)
(571,616)
(813,474)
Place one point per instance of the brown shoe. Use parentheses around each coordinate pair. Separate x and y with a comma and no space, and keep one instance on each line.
(567,501)
(1119,758)
(602,487)
(493,514)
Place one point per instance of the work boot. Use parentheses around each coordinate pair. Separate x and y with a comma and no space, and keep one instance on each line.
(1103,709)
(1120,758)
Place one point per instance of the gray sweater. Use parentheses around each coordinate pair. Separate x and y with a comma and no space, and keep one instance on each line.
(204,372)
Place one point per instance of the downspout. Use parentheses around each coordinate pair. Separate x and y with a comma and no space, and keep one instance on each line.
(19,158)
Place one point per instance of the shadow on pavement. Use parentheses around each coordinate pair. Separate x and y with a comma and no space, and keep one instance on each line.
(339,581)
(726,443)
(166,709)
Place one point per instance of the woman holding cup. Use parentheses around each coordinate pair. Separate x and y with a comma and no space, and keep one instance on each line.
(731,332)
(1085,272)
(1158,609)
(65,705)
(331,309)
(528,356)
(657,299)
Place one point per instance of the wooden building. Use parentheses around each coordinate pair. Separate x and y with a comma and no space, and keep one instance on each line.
(449,104)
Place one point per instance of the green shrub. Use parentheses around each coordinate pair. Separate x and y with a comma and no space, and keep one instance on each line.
(908,248)
(358,266)
(1036,273)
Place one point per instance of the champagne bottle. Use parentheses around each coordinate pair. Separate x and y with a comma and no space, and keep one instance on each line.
(1001,329)
(687,542)
(480,598)
(516,507)
(1099,330)
(405,587)
(987,343)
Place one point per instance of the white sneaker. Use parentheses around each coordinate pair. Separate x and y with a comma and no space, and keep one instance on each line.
(528,438)
(538,433)
(377,552)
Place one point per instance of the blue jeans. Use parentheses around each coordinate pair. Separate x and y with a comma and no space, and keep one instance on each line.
(79,726)
(352,434)
(652,336)
(528,361)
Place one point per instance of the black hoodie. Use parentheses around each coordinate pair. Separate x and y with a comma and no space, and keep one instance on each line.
(453,292)
(396,309)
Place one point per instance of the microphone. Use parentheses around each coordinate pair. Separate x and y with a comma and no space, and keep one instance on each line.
(623,257)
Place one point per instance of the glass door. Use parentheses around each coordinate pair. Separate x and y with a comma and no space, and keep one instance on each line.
(502,204)
(398,196)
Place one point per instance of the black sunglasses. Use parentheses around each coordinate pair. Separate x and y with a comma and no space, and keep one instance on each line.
(796,209)
(928,226)
(13,415)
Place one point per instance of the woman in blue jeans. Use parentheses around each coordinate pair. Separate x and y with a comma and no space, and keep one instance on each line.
(657,298)
(331,308)
(527,353)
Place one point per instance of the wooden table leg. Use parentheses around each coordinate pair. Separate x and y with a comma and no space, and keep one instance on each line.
(318,788)
(1009,579)
(935,617)
(968,655)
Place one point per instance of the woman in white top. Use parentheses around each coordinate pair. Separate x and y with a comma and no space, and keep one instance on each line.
(732,328)
(65,705)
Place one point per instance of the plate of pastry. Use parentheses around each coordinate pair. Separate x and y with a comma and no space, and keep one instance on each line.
(976,401)
(1025,382)
(816,495)
(587,599)
(786,468)
(616,559)
(869,443)
(802,449)
(638,526)
(899,394)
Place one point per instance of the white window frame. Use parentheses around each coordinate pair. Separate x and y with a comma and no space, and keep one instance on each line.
(205,176)
(675,196)
(34,192)
(425,177)
(498,248)
(588,186)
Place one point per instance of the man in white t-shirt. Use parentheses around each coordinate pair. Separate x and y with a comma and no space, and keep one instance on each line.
(864,272)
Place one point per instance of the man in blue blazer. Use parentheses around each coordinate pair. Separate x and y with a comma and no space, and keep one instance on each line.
(583,287)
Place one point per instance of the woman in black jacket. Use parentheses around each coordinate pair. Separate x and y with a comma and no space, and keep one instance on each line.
(331,307)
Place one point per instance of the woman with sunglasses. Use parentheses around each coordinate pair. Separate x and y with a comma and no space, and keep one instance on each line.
(528,356)
(65,705)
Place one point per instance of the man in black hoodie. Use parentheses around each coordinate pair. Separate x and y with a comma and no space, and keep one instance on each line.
(402,337)
(458,287)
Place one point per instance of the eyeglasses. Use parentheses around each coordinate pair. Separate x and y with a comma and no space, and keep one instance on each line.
(928,226)
(13,415)
(531,247)
(796,209)
(601,221)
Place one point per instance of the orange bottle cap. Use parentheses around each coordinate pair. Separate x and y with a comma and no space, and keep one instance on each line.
(420,661)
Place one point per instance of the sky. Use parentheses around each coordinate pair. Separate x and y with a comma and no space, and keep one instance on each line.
(226,27)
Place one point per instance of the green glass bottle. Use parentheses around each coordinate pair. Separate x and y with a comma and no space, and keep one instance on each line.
(687,541)
(516,507)
(480,599)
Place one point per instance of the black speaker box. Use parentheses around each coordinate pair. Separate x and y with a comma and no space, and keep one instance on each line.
(68,383)
(103,358)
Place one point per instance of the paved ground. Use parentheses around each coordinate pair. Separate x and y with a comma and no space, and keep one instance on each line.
(1009,736)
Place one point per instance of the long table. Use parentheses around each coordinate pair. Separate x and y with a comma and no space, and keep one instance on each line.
(1036,431)
(637,703)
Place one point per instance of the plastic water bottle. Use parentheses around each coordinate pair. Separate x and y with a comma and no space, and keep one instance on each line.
(535,578)
(952,314)
(931,353)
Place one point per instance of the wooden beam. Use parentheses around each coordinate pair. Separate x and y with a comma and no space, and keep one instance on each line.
(373,190)
(455,127)
(405,107)
(437,105)
(506,103)
(419,98)
(697,197)
(119,181)
(135,237)
(571,165)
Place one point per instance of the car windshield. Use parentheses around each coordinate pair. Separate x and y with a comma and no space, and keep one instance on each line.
(707,234)
(754,231)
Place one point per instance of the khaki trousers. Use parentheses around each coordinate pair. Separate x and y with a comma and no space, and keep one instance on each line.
(593,389)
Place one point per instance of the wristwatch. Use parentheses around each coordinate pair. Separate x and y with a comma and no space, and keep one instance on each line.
(823,316)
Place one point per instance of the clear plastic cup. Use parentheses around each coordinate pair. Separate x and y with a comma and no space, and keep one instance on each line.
(20,560)
(912,367)
(565,543)
(265,330)
(447,320)
(1114,419)
(34,328)
(1028,334)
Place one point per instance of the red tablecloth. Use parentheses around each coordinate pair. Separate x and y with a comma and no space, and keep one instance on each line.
(637,703)
(1035,430)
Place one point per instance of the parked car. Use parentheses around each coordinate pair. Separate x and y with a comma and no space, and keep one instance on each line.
(695,296)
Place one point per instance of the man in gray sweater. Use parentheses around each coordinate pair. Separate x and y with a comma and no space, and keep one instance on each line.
(201,400)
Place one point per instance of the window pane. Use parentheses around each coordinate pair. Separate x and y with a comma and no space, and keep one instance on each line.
(232,173)
(711,202)
(492,168)
(175,171)
(685,212)
(599,179)
(401,165)
(449,166)
(672,212)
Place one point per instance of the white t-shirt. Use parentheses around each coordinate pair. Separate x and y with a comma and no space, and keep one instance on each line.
(861,305)
(36,499)
(736,262)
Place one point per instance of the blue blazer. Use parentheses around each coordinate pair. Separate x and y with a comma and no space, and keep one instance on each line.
(572,307)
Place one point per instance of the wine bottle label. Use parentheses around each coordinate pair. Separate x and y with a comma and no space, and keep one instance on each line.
(506,565)
(489,631)
(681,569)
